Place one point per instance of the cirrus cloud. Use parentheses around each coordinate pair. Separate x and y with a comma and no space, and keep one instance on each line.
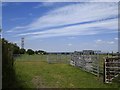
(72,20)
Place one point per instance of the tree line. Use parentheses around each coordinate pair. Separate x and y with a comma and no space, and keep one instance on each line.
(17,50)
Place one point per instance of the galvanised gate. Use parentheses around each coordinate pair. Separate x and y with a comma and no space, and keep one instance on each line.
(87,60)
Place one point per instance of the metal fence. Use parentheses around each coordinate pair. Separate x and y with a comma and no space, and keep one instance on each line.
(95,62)
(87,60)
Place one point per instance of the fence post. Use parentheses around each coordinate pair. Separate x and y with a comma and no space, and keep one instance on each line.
(98,62)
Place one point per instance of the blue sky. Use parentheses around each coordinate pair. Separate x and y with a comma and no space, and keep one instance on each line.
(62,26)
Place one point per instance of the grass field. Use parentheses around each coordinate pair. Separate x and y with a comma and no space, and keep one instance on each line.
(34,72)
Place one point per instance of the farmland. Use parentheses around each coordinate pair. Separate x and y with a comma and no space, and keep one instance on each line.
(33,71)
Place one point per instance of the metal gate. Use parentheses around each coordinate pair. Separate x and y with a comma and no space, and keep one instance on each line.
(87,60)
(111,68)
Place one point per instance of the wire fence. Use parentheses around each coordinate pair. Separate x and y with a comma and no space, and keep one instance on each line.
(58,58)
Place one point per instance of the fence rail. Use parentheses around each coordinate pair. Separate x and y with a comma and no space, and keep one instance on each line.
(86,60)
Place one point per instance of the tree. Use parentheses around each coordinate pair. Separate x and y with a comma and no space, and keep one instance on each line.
(16,49)
(30,52)
(36,52)
(22,51)
(41,52)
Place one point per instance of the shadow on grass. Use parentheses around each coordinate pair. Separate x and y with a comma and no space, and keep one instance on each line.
(10,80)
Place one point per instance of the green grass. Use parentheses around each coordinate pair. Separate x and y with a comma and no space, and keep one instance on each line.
(34,57)
(34,72)
(53,58)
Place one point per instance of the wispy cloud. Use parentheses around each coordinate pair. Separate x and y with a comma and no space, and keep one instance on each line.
(72,20)
(69,44)
(75,14)
(45,4)
(103,42)
(116,38)
(71,37)
(14,29)
(20,18)
(111,42)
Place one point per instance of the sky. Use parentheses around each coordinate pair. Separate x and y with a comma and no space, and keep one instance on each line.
(62,26)
(0,14)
